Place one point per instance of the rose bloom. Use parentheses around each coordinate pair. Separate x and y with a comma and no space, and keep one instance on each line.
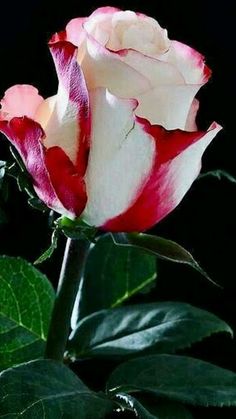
(118,143)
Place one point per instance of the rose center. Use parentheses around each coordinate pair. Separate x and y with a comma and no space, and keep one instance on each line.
(127,30)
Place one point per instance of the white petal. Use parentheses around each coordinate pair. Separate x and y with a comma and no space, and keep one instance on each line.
(103,68)
(184,168)
(121,157)
(167,105)
(189,62)
(156,71)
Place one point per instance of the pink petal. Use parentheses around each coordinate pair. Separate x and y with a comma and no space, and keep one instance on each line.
(20,100)
(75,31)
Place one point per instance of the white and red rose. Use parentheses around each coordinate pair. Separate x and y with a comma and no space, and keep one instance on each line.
(118,143)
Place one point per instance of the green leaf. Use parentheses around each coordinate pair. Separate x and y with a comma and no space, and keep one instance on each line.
(161,327)
(49,390)
(218,174)
(152,409)
(76,229)
(49,252)
(36,203)
(25,185)
(26,300)
(114,274)
(162,248)
(17,170)
(179,378)
(18,159)
(127,402)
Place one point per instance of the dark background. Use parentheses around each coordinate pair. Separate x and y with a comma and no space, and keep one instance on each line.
(205,221)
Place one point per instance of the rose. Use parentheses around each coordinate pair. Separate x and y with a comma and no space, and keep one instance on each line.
(118,144)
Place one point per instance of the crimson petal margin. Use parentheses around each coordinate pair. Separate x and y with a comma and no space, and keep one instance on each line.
(177,164)
(26,135)
(54,176)
(75,116)
(69,185)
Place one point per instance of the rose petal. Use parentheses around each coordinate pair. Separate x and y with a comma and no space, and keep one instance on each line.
(20,100)
(167,105)
(174,171)
(120,78)
(190,63)
(26,136)
(74,31)
(191,119)
(67,182)
(105,10)
(68,124)
(121,157)
(54,177)
(156,71)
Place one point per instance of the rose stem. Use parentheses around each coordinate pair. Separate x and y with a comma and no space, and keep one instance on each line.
(76,251)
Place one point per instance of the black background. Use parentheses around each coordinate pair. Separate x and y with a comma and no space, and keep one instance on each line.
(205,222)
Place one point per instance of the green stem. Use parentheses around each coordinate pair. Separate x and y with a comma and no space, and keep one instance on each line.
(70,277)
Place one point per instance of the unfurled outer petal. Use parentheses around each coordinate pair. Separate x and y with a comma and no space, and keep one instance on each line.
(189,62)
(68,125)
(137,173)
(121,157)
(56,151)
(177,164)
(67,182)
(20,100)
(66,195)
(26,136)
(167,105)
(68,129)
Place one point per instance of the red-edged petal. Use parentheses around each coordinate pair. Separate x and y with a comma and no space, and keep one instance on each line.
(120,160)
(190,63)
(26,136)
(67,182)
(68,126)
(59,37)
(177,164)
(54,176)
(65,123)
(74,30)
